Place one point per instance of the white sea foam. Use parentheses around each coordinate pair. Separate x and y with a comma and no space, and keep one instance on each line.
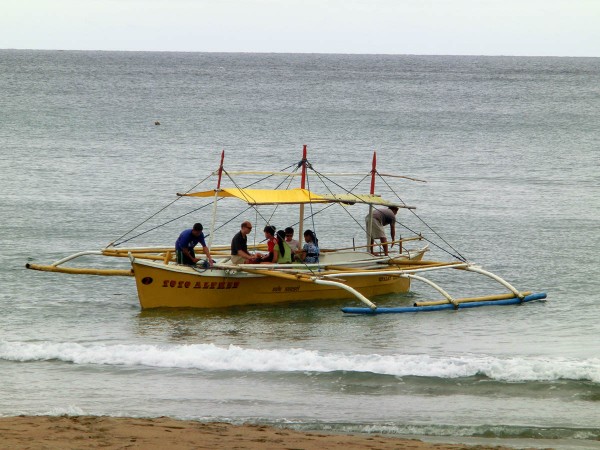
(209,357)
(70,410)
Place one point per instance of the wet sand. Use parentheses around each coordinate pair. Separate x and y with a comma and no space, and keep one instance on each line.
(88,432)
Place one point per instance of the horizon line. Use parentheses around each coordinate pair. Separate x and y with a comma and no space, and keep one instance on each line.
(241,52)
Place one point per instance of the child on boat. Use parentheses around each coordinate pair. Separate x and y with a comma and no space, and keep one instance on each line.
(310,250)
(279,250)
(289,239)
(271,243)
(283,252)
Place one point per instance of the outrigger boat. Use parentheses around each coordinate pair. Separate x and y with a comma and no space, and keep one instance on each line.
(349,272)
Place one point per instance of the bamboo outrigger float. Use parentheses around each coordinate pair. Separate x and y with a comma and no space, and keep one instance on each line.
(353,272)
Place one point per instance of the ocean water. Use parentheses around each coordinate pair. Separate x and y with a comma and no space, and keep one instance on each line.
(508,147)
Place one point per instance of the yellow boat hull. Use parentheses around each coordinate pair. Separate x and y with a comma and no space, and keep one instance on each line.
(168,286)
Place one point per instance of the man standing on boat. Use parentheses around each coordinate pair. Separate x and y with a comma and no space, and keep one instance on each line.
(187,240)
(239,245)
(380,219)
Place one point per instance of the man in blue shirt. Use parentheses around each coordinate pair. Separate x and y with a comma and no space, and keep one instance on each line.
(187,240)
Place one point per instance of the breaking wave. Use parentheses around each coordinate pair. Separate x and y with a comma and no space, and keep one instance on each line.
(210,357)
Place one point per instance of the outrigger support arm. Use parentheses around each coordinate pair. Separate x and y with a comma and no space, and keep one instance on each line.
(433,285)
(429,266)
(502,281)
(57,266)
(353,291)
(75,255)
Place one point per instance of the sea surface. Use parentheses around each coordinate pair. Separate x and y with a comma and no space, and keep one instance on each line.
(510,150)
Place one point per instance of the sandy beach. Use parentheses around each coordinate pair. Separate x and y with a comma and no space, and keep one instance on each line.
(87,432)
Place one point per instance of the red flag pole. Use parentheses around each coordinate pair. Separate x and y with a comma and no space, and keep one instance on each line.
(220,170)
(373,172)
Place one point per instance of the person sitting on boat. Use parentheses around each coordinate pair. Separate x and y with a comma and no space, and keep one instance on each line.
(283,252)
(271,243)
(187,240)
(380,219)
(289,239)
(239,246)
(310,250)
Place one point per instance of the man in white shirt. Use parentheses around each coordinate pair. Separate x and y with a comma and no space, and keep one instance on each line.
(291,242)
(382,218)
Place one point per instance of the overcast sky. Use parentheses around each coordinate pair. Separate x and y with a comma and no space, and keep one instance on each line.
(441,27)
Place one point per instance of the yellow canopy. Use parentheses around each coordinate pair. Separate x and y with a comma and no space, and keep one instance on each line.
(293,197)
(265,196)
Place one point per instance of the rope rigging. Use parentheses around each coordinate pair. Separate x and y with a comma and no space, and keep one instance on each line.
(350,192)
(321,177)
(326,181)
(457,256)
(118,240)
(115,243)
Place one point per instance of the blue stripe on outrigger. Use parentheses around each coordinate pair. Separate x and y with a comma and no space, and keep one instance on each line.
(408,309)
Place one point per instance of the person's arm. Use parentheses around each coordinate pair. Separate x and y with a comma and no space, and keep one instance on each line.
(244,254)
(297,255)
(187,253)
(207,253)
(302,254)
(393,231)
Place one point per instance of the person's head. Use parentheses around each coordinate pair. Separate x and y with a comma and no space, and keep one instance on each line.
(394,209)
(281,235)
(197,229)
(289,233)
(269,231)
(246,227)
(309,236)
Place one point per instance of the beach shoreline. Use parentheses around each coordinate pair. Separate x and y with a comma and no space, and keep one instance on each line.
(88,432)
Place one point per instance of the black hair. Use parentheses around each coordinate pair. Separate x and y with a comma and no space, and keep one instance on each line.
(280,239)
(313,236)
(270,229)
(197,227)
(289,230)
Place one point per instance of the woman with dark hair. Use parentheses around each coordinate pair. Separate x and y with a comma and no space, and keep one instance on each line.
(310,251)
(283,252)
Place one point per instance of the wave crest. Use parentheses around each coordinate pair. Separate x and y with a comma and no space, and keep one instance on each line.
(210,357)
